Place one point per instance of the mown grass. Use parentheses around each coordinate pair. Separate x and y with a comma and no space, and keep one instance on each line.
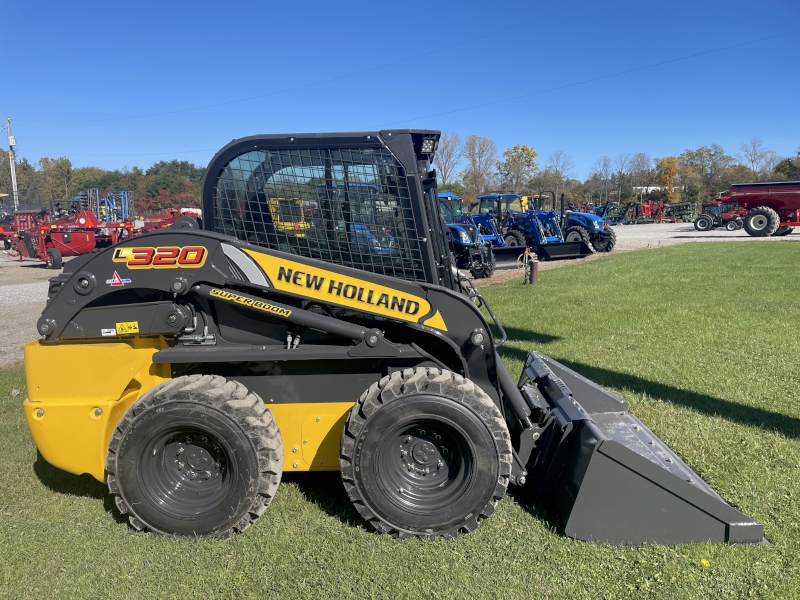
(700,339)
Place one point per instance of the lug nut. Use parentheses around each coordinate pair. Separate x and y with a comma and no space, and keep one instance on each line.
(440,464)
(427,470)
(181,450)
(192,475)
(217,465)
(208,474)
(408,439)
(403,453)
(410,467)
(181,465)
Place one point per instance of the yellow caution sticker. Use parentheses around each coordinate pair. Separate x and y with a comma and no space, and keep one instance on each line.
(127,327)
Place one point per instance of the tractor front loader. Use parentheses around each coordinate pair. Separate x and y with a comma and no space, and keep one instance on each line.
(234,353)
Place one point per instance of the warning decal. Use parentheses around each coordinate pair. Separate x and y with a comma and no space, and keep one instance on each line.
(127,327)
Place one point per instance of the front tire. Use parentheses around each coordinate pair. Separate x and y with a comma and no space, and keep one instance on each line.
(576,234)
(197,456)
(731,226)
(762,221)
(425,453)
(515,239)
(605,244)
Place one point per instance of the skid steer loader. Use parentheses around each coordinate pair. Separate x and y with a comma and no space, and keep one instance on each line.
(236,352)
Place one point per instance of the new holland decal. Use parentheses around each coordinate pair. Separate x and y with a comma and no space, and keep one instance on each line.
(251,302)
(327,286)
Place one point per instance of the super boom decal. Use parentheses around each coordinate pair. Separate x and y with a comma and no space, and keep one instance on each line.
(327,286)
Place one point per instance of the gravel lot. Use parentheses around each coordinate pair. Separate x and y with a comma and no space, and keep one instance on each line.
(23,285)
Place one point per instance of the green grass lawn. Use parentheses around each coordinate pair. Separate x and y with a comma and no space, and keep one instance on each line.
(701,339)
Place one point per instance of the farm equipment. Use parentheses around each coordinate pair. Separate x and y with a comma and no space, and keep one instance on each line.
(719,213)
(227,362)
(74,231)
(578,226)
(168,217)
(7,230)
(772,207)
(538,230)
(469,249)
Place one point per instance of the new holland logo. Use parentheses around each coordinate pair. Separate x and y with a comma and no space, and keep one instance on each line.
(117,281)
(328,286)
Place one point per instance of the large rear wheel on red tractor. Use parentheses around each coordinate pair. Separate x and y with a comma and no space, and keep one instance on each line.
(197,456)
(425,453)
(762,221)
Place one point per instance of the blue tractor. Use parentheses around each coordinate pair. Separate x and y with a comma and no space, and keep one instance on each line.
(577,226)
(519,227)
(471,251)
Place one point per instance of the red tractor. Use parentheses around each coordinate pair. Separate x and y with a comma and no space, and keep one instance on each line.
(771,207)
(720,213)
(7,231)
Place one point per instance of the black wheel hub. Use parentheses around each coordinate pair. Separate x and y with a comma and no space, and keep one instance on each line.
(186,471)
(425,465)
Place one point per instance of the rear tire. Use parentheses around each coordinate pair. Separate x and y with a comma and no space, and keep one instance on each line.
(605,244)
(704,223)
(782,231)
(515,239)
(762,221)
(53,259)
(197,456)
(576,234)
(425,453)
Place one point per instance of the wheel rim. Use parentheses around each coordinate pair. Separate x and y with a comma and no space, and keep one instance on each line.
(186,471)
(759,222)
(511,242)
(425,465)
(573,237)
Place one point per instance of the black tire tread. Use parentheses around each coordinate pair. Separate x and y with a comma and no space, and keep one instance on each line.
(517,235)
(581,231)
(426,380)
(231,398)
(773,226)
(609,246)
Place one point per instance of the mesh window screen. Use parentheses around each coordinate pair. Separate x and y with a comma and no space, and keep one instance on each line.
(349,207)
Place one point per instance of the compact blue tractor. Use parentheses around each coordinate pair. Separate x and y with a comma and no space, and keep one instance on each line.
(538,230)
(470,250)
(577,226)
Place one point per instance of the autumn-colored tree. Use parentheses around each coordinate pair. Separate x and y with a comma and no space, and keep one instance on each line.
(667,171)
(518,167)
(55,177)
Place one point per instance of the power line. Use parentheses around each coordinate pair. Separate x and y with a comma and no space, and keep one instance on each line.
(316,83)
(577,83)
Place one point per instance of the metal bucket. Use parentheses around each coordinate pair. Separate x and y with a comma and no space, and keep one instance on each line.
(612,479)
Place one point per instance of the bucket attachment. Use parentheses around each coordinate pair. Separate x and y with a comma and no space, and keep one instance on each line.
(561,250)
(612,479)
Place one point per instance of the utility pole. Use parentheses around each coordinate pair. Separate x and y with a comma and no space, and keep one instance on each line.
(12,161)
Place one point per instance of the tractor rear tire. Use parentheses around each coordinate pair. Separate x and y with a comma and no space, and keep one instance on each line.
(576,234)
(762,221)
(704,223)
(54,259)
(782,231)
(515,239)
(425,453)
(605,244)
(197,456)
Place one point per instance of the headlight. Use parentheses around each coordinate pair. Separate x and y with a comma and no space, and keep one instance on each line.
(462,235)
(598,224)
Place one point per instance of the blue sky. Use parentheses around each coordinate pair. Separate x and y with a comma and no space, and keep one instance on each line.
(80,69)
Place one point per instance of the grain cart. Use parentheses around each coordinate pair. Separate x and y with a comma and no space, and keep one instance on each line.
(227,363)
(773,207)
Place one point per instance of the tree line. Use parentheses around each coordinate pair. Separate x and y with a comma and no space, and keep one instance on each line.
(166,184)
(473,166)
(467,167)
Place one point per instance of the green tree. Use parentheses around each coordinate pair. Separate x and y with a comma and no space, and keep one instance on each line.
(788,168)
(518,167)
(55,177)
(455,187)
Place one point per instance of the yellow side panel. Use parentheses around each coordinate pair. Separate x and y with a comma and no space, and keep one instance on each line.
(77,393)
(311,434)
